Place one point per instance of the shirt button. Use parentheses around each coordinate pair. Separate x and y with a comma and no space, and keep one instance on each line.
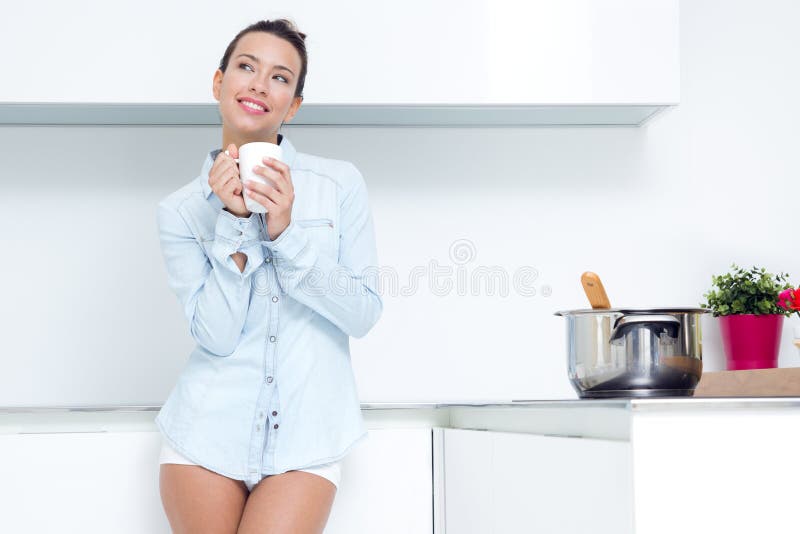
(274,413)
(274,299)
(272,338)
(275,425)
(268,260)
(269,380)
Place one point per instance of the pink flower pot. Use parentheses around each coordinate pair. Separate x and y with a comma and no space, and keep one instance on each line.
(751,341)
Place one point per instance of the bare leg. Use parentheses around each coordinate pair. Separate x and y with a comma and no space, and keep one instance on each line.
(294,502)
(199,501)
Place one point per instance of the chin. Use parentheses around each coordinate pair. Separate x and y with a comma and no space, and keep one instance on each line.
(248,129)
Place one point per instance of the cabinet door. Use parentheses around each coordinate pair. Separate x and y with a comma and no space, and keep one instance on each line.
(506,483)
(81,483)
(101,482)
(387,485)
(467,52)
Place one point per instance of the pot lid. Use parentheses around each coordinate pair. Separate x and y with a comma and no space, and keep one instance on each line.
(631,311)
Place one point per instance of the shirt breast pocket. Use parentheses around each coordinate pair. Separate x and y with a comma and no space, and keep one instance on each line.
(322,235)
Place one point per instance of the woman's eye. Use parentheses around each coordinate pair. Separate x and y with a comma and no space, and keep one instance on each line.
(284,80)
(242,65)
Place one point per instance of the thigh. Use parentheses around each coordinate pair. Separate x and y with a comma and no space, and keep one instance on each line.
(198,501)
(294,502)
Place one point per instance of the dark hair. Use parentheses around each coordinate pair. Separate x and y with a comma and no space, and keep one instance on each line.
(283,28)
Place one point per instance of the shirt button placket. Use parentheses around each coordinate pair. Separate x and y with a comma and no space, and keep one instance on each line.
(270,367)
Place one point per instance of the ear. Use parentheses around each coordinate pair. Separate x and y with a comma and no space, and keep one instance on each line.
(216,85)
(293,108)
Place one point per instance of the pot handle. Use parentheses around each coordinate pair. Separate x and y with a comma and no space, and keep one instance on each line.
(651,322)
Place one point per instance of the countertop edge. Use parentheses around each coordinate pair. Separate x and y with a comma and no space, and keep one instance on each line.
(624,404)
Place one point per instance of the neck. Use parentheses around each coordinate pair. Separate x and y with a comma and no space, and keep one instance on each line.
(239,140)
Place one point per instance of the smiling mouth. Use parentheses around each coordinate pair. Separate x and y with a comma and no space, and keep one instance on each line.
(250,107)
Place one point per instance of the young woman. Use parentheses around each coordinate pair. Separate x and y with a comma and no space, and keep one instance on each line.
(266,407)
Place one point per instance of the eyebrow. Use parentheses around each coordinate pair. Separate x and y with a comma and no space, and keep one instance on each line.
(258,61)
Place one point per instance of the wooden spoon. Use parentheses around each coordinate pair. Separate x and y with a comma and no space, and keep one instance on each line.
(595,291)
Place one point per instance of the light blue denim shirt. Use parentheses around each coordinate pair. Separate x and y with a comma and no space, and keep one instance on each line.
(270,387)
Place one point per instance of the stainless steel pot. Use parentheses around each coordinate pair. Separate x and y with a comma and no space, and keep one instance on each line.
(634,353)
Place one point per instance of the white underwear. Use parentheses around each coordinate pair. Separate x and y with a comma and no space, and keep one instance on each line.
(331,471)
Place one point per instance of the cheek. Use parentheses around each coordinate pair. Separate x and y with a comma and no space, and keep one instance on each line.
(284,95)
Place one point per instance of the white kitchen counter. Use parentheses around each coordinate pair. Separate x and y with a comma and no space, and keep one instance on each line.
(571,466)
(601,419)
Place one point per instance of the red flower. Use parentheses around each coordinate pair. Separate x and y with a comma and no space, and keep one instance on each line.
(789,299)
(795,304)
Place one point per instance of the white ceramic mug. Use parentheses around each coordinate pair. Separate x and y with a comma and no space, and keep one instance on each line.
(250,155)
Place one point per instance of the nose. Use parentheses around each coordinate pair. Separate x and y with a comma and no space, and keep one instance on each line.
(258,85)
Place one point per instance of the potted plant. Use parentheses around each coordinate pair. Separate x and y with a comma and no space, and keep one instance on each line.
(751,305)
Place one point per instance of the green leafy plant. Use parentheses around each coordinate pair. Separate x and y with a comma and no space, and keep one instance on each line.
(753,291)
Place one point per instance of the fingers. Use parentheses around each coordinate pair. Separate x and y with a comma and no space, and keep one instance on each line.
(261,193)
(220,180)
(225,182)
(232,186)
(223,169)
(278,172)
(263,190)
(278,165)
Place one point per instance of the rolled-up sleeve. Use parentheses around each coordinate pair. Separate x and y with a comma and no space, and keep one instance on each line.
(234,234)
(344,292)
(214,294)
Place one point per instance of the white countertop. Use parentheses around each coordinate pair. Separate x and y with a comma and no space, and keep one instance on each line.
(607,419)
(626,404)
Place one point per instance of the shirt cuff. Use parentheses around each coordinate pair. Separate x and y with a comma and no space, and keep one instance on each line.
(235,229)
(290,243)
(237,234)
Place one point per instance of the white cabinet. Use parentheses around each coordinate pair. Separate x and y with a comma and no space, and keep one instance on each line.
(506,483)
(100,482)
(81,483)
(386,485)
(654,466)
(453,62)
(648,466)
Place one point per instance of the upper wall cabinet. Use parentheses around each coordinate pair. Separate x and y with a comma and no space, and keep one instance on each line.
(447,62)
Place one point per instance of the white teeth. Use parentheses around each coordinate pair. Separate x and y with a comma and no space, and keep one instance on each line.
(253,106)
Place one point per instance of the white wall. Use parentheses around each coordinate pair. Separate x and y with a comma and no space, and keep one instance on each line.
(87,317)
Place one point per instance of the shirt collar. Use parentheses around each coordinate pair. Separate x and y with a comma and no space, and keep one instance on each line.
(289,154)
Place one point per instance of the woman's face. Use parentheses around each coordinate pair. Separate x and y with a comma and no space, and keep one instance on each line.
(256,92)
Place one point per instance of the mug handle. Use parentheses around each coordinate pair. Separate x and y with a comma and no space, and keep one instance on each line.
(234,159)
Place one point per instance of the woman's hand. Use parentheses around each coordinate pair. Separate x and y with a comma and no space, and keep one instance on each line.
(279,199)
(225,182)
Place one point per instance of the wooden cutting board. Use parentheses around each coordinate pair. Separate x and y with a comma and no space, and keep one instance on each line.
(784,382)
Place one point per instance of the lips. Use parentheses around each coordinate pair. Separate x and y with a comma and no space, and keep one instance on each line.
(253,106)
